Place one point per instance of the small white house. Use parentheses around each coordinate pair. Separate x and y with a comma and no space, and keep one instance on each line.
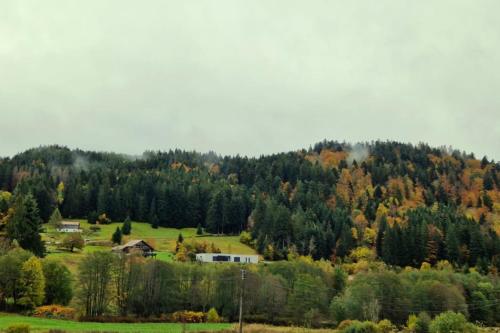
(223,257)
(69,226)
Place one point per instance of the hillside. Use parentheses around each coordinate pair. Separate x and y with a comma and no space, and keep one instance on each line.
(410,204)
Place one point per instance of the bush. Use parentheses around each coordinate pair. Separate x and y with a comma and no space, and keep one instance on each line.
(95,228)
(385,326)
(246,238)
(361,327)
(449,321)
(422,323)
(55,311)
(188,317)
(312,318)
(213,316)
(18,328)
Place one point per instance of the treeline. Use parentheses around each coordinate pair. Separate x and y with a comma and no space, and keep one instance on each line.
(323,201)
(300,291)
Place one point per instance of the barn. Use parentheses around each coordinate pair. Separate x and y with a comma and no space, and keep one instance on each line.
(136,246)
(223,257)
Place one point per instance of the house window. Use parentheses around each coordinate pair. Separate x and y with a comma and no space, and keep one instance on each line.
(236,259)
(221,258)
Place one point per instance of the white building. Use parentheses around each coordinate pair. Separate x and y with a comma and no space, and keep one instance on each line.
(69,226)
(223,257)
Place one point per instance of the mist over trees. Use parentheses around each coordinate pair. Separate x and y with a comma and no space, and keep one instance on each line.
(410,204)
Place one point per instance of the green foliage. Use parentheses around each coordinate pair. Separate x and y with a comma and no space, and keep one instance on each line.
(56,218)
(199,230)
(11,265)
(25,225)
(127,226)
(422,323)
(95,276)
(116,238)
(58,283)
(92,217)
(213,316)
(450,322)
(361,327)
(32,283)
(73,240)
(308,293)
(246,238)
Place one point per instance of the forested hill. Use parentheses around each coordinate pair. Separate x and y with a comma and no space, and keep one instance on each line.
(410,203)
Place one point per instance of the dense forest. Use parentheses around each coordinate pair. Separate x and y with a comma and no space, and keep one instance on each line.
(411,204)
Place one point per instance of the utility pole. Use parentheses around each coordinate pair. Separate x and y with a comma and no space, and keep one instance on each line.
(241,299)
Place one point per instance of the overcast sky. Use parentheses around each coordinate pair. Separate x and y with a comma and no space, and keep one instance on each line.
(248,77)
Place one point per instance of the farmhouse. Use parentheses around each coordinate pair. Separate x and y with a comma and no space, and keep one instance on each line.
(136,246)
(222,257)
(69,226)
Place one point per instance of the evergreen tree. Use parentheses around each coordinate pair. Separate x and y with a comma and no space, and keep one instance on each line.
(199,230)
(127,226)
(117,236)
(56,218)
(154,222)
(25,225)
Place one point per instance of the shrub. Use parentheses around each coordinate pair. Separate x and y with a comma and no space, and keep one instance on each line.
(246,238)
(95,228)
(312,318)
(385,326)
(449,321)
(188,317)
(18,328)
(213,316)
(55,311)
(344,324)
(422,323)
(361,327)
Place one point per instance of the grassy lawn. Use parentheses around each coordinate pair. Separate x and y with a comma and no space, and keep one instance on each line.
(162,239)
(43,325)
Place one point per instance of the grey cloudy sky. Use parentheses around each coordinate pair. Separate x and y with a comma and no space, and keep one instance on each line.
(248,77)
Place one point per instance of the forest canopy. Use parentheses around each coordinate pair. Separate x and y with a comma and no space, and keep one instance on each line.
(409,204)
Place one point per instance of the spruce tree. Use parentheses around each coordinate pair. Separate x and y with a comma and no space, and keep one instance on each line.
(199,230)
(127,226)
(56,218)
(117,236)
(25,225)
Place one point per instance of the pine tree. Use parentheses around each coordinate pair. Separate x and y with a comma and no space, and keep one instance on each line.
(127,226)
(25,225)
(56,218)
(199,230)
(154,222)
(117,236)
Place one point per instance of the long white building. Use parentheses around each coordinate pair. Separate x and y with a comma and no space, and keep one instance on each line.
(223,257)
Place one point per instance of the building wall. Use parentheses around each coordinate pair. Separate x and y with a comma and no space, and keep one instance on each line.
(224,257)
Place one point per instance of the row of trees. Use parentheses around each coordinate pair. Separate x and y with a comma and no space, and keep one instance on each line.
(298,291)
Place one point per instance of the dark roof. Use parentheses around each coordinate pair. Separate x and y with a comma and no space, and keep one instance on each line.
(131,243)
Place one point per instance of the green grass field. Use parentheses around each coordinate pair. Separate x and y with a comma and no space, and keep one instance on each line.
(162,239)
(43,325)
